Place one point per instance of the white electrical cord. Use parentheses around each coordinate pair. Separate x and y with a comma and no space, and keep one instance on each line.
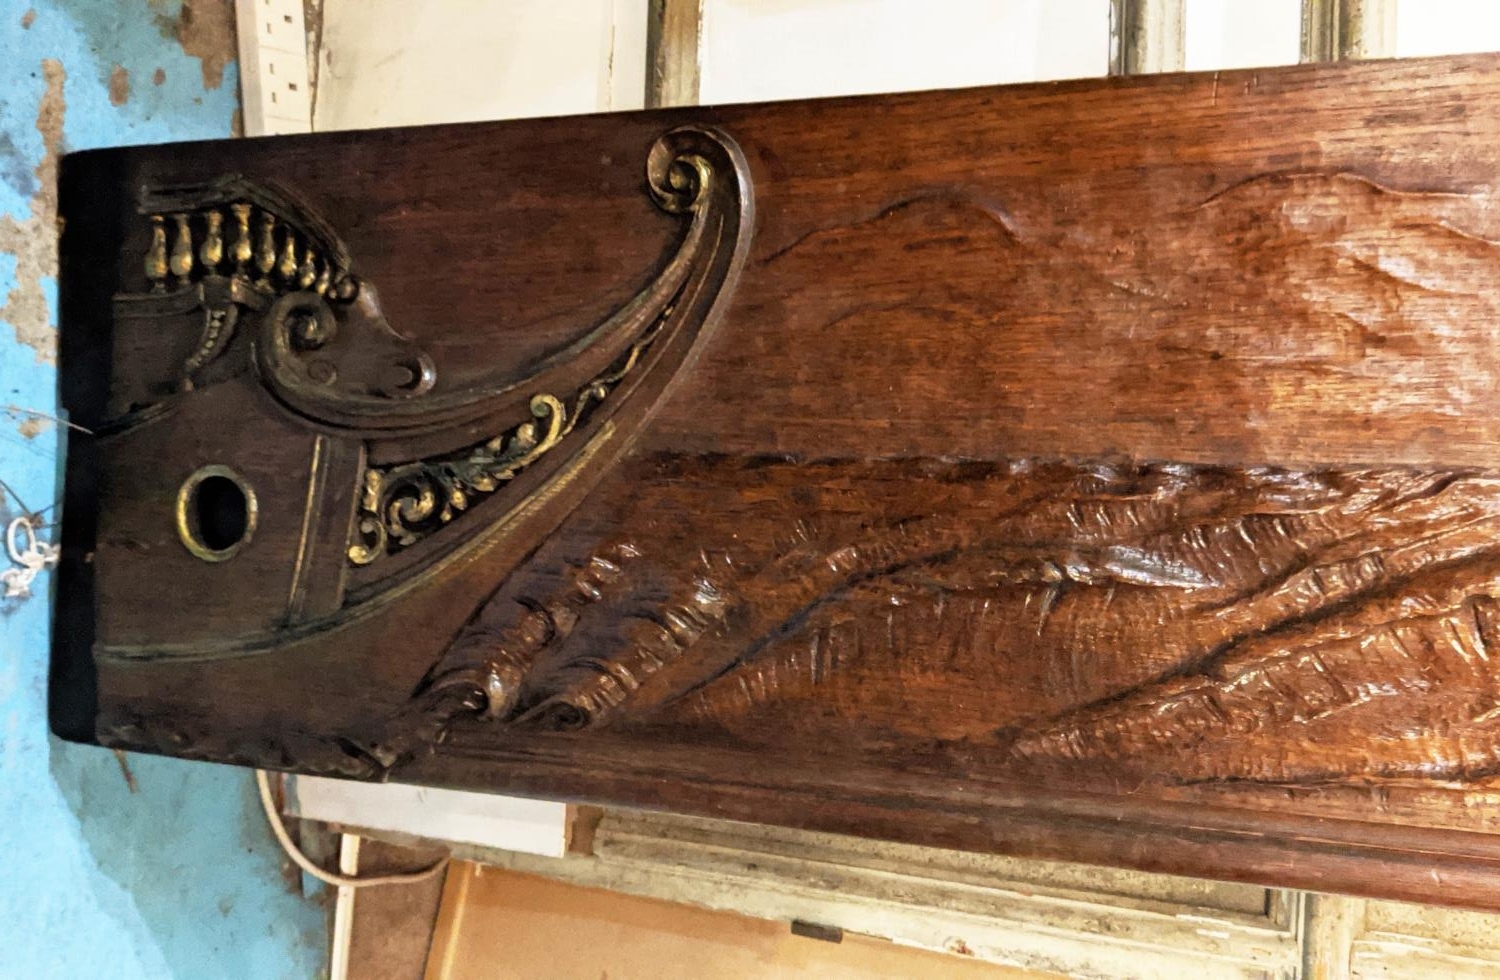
(278,827)
(26,562)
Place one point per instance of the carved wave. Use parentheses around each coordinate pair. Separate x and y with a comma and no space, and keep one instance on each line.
(1320,267)
(1201,621)
(931,200)
(1090,618)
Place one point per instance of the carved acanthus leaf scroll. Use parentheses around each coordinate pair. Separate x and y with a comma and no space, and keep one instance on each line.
(689,171)
(401,504)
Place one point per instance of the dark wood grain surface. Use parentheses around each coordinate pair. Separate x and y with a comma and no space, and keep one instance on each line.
(1099,470)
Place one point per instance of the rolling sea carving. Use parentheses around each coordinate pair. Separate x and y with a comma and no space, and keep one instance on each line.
(1189,622)
(1184,622)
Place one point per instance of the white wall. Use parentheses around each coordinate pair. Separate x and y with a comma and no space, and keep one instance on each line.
(396,62)
(1240,34)
(1428,27)
(755,50)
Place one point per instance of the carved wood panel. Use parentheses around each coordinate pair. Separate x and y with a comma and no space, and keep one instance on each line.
(1098,471)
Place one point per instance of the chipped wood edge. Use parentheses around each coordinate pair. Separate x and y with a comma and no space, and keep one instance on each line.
(674,41)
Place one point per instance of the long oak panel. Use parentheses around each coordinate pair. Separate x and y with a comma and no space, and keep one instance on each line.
(1096,470)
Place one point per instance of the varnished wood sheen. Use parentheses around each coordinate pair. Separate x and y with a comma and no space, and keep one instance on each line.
(1100,470)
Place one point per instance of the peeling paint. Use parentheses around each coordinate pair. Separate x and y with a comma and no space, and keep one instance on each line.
(86,853)
(13,169)
(32,426)
(119,85)
(205,30)
(32,240)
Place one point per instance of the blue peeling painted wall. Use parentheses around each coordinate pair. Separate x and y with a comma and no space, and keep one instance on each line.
(176,876)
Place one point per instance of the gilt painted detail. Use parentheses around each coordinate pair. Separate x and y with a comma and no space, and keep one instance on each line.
(278,310)
(401,504)
(235,249)
(198,243)
(689,171)
(999,486)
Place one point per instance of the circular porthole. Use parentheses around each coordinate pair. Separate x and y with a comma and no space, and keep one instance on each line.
(216,513)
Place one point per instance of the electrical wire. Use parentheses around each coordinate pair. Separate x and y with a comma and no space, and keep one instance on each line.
(278,827)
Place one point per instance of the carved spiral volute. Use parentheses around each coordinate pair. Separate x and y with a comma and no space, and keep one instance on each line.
(340,341)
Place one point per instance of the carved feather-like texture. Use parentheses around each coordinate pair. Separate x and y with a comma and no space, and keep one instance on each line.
(1198,622)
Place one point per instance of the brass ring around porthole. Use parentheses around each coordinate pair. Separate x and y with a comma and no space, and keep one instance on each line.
(216,513)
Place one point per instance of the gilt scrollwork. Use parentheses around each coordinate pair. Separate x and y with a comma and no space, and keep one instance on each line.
(398,455)
(400,504)
(234,248)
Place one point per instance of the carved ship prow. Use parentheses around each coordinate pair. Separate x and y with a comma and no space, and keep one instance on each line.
(270,355)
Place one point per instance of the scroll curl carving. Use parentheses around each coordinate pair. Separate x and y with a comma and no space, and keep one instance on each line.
(690,171)
(401,504)
(1035,493)
(285,311)
(234,248)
